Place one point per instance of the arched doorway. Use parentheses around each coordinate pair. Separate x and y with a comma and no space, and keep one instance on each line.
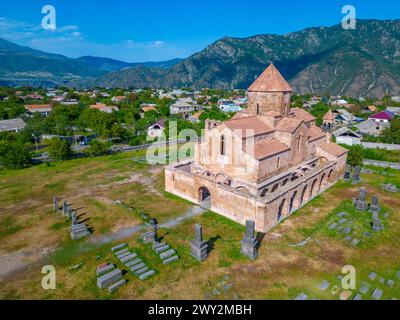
(291,203)
(280,209)
(302,195)
(313,188)
(330,175)
(321,181)
(205,198)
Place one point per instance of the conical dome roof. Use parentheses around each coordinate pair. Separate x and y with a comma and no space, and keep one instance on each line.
(271,80)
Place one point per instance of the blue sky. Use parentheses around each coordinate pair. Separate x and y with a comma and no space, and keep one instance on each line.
(151,30)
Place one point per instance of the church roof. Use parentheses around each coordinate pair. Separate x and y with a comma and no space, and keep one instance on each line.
(333,148)
(329,116)
(267,148)
(315,133)
(249,126)
(270,80)
(288,124)
(302,114)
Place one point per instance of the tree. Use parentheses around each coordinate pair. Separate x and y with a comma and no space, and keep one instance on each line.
(14,155)
(59,149)
(355,156)
(97,148)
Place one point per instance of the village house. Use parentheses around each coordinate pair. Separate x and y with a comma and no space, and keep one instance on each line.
(103,108)
(394,110)
(262,164)
(195,118)
(382,117)
(12,125)
(118,99)
(146,108)
(43,109)
(156,130)
(183,107)
(347,136)
(371,127)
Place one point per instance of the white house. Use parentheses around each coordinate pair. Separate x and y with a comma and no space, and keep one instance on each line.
(346,136)
(12,125)
(156,130)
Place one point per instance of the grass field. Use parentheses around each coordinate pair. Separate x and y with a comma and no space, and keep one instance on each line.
(295,257)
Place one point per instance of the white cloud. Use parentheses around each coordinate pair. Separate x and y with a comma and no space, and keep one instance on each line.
(70,41)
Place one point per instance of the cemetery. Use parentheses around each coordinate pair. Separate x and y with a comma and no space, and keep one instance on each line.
(112,238)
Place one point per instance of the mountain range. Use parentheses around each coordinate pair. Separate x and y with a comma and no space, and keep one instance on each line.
(360,62)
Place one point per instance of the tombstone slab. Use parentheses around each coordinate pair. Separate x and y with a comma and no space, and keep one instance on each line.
(128,258)
(162,249)
(390,283)
(147,275)
(109,278)
(167,254)
(141,271)
(357,297)
(120,246)
(372,276)
(133,262)
(137,267)
(377,294)
(104,269)
(324,285)
(171,259)
(116,285)
(301,296)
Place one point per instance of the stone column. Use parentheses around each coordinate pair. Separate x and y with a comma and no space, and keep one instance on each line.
(249,244)
(356,175)
(199,248)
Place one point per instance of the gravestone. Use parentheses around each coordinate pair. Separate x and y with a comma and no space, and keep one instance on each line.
(65,207)
(374,206)
(356,175)
(347,172)
(55,203)
(198,247)
(376,223)
(73,218)
(249,244)
(109,278)
(361,203)
(154,226)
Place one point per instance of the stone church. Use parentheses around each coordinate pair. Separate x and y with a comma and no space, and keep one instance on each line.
(262,164)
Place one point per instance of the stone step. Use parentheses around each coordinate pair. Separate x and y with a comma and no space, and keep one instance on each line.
(120,246)
(133,262)
(116,285)
(104,269)
(141,271)
(128,258)
(162,249)
(137,267)
(147,275)
(171,259)
(167,254)
(109,278)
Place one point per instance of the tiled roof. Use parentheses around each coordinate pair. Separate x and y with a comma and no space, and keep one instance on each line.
(12,124)
(333,148)
(288,124)
(302,114)
(148,108)
(267,148)
(329,116)
(247,125)
(315,133)
(31,107)
(270,80)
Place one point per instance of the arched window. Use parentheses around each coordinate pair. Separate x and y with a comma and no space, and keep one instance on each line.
(278,163)
(222,147)
(299,142)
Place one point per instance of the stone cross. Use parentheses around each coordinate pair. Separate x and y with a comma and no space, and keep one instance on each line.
(356,175)
(198,247)
(198,233)
(361,203)
(249,244)
(250,226)
(65,207)
(347,172)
